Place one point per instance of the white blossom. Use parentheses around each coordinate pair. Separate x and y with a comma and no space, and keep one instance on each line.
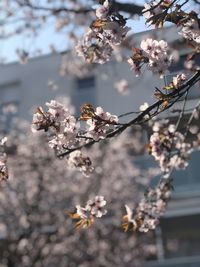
(58,120)
(83,212)
(179,79)
(157,54)
(100,124)
(154,8)
(80,162)
(144,106)
(169,148)
(102,11)
(122,86)
(96,206)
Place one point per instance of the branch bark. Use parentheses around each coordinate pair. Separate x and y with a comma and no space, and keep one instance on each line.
(124,7)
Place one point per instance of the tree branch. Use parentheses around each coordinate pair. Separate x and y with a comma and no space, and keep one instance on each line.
(174,97)
(124,7)
(132,9)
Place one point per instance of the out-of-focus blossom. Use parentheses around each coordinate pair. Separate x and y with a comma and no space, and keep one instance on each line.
(23,56)
(103,10)
(149,210)
(94,50)
(179,79)
(190,31)
(80,162)
(169,148)
(122,86)
(155,8)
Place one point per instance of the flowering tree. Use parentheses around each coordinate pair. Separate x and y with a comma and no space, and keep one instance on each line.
(41,192)
(69,137)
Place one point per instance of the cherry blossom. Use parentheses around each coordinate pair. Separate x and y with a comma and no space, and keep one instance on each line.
(100,124)
(154,8)
(168,147)
(96,206)
(153,53)
(73,140)
(178,80)
(94,50)
(190,31)
(156,11)
(157,53)
(103,10)
(42,190)
(146,215)
(59,121)
(83,163)
(103,35)
(86,215)
(122,86)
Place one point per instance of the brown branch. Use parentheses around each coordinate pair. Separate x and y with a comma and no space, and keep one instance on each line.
(174,97)
(197,1)
(123,7)
(132,9)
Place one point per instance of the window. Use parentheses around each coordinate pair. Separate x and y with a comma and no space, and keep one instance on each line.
(188,180)
(85,83)
(181,236)
(9,102)
(84,92)
(178,242)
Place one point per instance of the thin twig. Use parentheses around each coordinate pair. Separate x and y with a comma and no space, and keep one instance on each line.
(174,97)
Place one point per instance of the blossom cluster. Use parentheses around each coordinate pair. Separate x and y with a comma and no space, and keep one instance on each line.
(59,121)
(122,86)
(94,208)
(177,81)
(168,147)
(65,132)
(3,160)
(153,9)
(153,53)
(149,210)
(107,31)
(99,123)
(190,31)
(156,13)
(80,162)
